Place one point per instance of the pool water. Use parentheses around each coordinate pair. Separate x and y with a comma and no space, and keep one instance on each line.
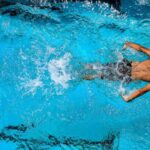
(42,92)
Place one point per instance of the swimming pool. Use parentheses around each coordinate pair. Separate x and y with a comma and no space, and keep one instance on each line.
(44,102)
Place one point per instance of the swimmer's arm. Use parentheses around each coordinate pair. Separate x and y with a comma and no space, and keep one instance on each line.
(137,47)
(137,93)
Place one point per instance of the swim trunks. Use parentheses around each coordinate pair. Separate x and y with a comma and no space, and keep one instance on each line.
(117,71)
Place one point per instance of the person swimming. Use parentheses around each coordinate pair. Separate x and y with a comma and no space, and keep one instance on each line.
(124,70)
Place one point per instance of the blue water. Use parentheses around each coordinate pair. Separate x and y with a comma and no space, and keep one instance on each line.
(41,70)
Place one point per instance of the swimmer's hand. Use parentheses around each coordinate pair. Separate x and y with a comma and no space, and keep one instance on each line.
(125,97)
(126,45)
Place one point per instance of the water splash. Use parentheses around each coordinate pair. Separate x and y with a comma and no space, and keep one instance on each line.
(31,85)
(59,70)
(44,66)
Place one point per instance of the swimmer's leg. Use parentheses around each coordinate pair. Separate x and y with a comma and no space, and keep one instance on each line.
(94,66)
(101,71)
(92,77)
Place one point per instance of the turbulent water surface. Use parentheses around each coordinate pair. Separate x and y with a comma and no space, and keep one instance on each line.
(44,102)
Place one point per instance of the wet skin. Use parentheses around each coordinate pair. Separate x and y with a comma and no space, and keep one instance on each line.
(141,70)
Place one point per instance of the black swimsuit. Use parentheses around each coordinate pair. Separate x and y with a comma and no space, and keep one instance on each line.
(117,71)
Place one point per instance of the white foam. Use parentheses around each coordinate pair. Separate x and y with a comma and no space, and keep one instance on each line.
(58,70)
(32,85)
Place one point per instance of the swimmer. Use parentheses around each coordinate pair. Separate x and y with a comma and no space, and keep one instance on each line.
(124,70)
